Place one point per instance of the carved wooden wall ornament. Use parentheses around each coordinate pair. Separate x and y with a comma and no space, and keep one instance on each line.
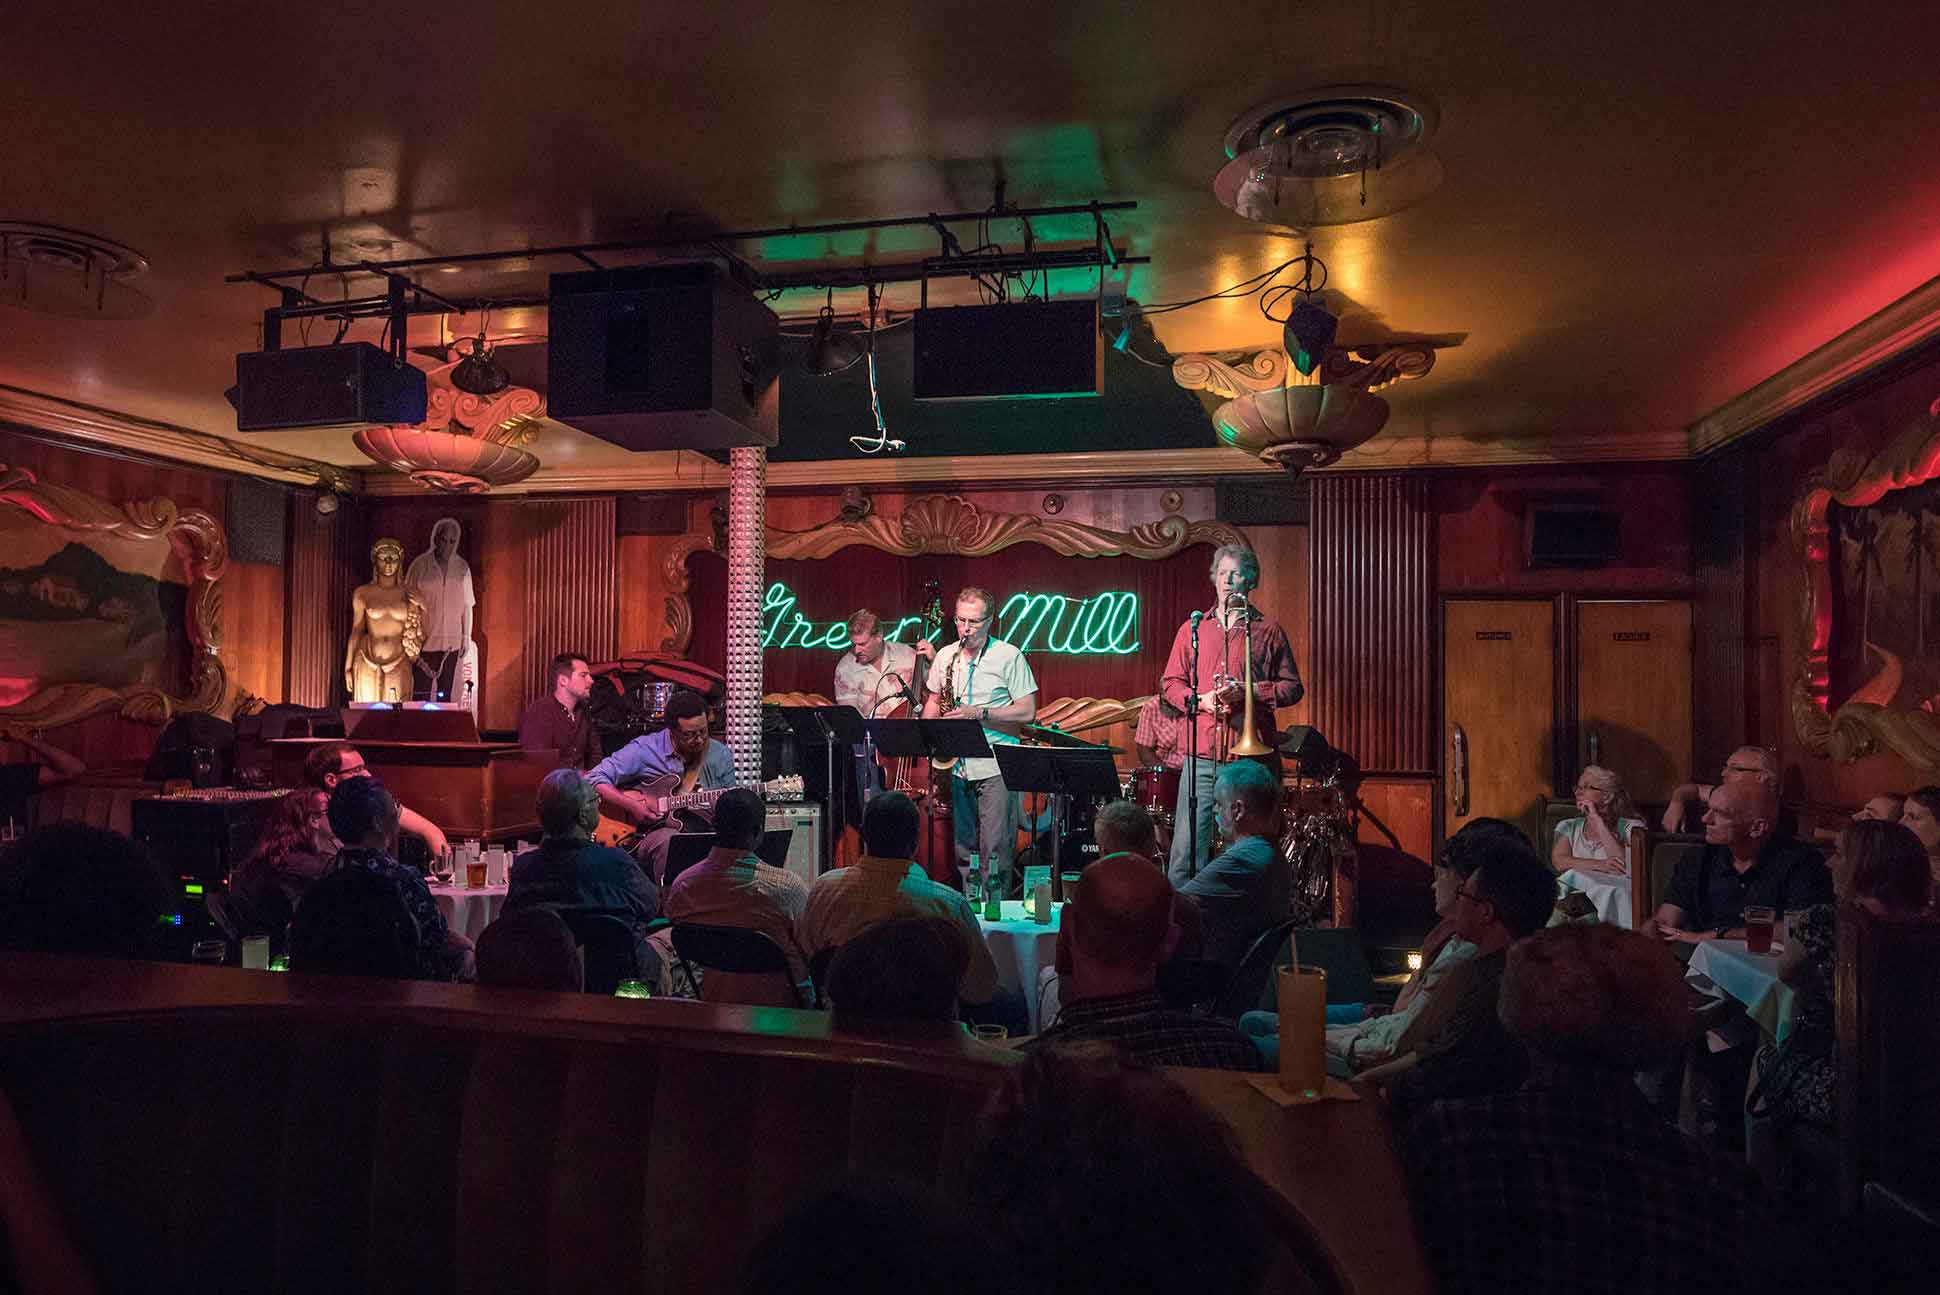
(1853,480)
(952,524)
(196,543)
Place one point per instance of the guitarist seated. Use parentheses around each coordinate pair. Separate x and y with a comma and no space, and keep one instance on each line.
(636,782)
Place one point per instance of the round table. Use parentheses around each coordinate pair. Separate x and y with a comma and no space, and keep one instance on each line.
(1019,947)
(1751,978)
(468,911)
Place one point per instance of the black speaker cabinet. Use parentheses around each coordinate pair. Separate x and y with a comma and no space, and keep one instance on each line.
(325,386)
(1019,349)
(1571,535)
(675,355)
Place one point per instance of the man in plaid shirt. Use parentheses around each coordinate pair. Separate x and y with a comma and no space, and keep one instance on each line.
(1596,1190)
(1114,935)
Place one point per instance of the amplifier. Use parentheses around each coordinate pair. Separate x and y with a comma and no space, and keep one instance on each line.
(805,846)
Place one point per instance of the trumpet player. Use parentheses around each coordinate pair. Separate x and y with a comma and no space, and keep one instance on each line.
(986,679)
(1204,681)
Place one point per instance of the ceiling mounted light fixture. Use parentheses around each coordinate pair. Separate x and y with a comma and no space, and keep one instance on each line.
(54,271)
(830,352)
(1333,155)
(479,372)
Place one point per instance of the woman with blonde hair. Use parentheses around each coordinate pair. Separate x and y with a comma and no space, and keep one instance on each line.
(1598,839)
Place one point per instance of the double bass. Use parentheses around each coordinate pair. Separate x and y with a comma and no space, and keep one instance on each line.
(931,788)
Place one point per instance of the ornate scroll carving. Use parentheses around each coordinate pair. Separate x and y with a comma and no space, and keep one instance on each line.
(680,613)
(1371,368)
(197,542)
(467,443)
(952,524)
(1858,728)
(1230,375)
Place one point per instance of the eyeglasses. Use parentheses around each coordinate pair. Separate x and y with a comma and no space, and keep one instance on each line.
(971,620)
(1471,896)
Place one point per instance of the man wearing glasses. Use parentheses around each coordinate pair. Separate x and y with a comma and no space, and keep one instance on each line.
(1746,764)
(988,680)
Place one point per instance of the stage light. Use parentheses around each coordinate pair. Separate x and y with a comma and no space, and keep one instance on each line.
(480,373)
(830,352)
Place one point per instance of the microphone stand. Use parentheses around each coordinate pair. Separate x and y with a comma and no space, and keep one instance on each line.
(1192,756)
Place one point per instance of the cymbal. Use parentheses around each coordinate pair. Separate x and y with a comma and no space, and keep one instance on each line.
(1052,735)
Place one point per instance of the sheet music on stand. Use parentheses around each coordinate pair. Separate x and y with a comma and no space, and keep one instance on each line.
(1060,772)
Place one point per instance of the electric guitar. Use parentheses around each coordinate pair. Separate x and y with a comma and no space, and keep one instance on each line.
(665,801)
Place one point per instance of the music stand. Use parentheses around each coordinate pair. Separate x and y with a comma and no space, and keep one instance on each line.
(824,726)
(1061,771)
(932,739)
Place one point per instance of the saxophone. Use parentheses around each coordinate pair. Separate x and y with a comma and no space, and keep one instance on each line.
(946,698)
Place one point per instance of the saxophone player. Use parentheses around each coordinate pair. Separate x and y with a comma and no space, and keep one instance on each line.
(1213,699)
(985,679)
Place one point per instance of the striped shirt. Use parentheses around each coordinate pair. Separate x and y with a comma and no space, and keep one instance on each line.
(1145,1029)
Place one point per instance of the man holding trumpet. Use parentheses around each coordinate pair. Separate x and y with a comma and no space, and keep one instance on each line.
(1205,681)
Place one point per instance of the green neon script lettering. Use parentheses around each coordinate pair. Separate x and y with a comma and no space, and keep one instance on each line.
(1102,625)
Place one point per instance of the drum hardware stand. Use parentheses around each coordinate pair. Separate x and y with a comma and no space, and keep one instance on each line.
(1192,755)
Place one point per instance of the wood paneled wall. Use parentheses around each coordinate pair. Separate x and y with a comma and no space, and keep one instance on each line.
(1721,548)
(571,565)
(1479,528)
(325,553)
(1371,559)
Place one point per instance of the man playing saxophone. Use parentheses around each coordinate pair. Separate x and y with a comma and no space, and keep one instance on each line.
(986,679)
(1213,700)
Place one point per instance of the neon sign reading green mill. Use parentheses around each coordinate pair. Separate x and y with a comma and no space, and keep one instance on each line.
(1102,625)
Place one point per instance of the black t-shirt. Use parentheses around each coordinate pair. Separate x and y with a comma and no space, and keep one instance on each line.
(18,782)
(1788,874)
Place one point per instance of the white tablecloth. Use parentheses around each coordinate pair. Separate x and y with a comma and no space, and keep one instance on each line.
(466,911)
(1751,978)
(1020,947)
(1608,891)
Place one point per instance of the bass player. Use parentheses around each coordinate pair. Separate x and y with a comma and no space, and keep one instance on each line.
(636,781)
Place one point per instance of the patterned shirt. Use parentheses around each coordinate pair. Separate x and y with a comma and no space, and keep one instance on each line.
(1159,729)
(870,688)
(733,889)
(1145,1029)
(433,936)
(844,901)
(1599,1194)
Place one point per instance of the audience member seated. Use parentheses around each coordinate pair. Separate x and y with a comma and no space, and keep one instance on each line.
(295,849)
(1921,816)
(1883,869)
(1456,1046)
(354,922)
(1096,1175)
(1598,839)
(364,816)
(1752,764)
(72,888)
(732,887)
(887,882)
(22,780)
(906,968)
(332,763)
(1126,827)
(1744,861)
(871,1233)
(1885,808)
(1246,890)
(570,872)
(1110,942)
(531,948)
(1572,1182)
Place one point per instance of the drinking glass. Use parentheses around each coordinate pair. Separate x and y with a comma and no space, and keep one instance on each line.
(1758,928)
(1303,1029)
(475,874)
(209,951)
(989,1033)
(632,989)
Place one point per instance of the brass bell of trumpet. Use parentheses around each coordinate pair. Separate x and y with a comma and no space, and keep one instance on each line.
(1249,744)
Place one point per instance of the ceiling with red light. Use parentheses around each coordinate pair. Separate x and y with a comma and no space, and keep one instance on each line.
(1645,211)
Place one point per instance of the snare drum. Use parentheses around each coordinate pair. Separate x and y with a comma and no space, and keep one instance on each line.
(1157,789)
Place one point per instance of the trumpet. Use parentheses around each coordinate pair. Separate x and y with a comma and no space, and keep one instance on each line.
(1249,743)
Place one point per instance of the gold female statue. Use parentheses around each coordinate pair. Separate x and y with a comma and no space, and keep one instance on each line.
(386,630)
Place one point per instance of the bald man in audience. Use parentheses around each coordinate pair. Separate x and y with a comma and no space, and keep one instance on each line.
(1746,764)
(1114,934)
(1746,860)
(1126,827)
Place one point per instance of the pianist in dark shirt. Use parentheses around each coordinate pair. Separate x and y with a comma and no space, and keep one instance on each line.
(562,721)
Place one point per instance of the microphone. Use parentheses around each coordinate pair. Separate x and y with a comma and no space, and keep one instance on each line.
(1196,618)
